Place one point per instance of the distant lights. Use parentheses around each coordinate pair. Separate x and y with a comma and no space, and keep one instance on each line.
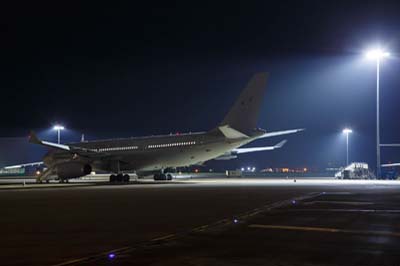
(235,221)
(111,256)
(376,54)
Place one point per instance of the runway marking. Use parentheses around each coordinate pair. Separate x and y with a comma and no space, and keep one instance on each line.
(324,229)
(73,261)
(239,218)
(339,202)
(163,237)
(344,210)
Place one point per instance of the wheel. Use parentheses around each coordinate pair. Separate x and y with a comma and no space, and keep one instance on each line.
(126,178)
(112,178)
(160,176)
(157,176)
(120,178)
(47,181)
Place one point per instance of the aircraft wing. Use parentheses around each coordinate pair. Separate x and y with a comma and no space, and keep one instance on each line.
(72,149)
(23,165)
(279,133)
(254,149)
(390,164)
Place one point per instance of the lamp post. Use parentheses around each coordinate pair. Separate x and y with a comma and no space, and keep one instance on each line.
(378,55)
(58,128)
(347,131)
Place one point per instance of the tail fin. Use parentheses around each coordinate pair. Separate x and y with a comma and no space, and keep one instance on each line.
(244,114)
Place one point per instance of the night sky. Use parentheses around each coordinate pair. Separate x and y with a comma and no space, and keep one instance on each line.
(110,70)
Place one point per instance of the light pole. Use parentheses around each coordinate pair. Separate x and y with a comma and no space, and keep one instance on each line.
(347,131)
(58,128)
(378,55)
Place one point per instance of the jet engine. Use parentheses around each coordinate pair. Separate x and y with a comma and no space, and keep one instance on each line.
(73,170)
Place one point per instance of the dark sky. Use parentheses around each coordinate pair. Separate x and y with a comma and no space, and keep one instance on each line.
(111,70)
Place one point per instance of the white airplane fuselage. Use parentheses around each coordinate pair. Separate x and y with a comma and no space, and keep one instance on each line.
(151,153)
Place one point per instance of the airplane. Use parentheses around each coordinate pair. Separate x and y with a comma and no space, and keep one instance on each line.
(160,154)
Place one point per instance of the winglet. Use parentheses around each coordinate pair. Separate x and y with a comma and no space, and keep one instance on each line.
(33,138)
(280,144)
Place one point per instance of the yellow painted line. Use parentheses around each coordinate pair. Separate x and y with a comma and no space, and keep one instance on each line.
(325,229)
(197,229)
(200,228)
(70,262)
(88,257)
(163,237)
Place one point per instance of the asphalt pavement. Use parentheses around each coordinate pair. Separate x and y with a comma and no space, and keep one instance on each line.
(203,222)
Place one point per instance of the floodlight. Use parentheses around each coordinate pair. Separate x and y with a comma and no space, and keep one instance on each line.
(347,131)
(58,127)
(376,54)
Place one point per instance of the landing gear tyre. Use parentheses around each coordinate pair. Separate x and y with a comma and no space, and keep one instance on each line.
(112,178)
(156,177)
(162,177)
(126,178)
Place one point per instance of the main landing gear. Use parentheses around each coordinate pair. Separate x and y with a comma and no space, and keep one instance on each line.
(162,176)
(120,178)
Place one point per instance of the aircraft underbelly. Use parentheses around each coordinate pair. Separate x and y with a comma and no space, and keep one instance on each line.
(185,157)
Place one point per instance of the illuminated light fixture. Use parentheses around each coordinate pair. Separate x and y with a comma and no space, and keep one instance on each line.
(376,54)
(111,256)
(347,131)
(58,128)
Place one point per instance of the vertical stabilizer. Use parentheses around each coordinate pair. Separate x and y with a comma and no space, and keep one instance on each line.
(243,116)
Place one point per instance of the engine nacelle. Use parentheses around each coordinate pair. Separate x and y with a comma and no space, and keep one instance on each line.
(73,170)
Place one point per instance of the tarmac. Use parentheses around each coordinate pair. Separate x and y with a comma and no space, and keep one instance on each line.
(202,222)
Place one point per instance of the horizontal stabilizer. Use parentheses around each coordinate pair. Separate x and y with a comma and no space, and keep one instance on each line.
(254,149)
(279,133)
(231,133)
(390,164)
